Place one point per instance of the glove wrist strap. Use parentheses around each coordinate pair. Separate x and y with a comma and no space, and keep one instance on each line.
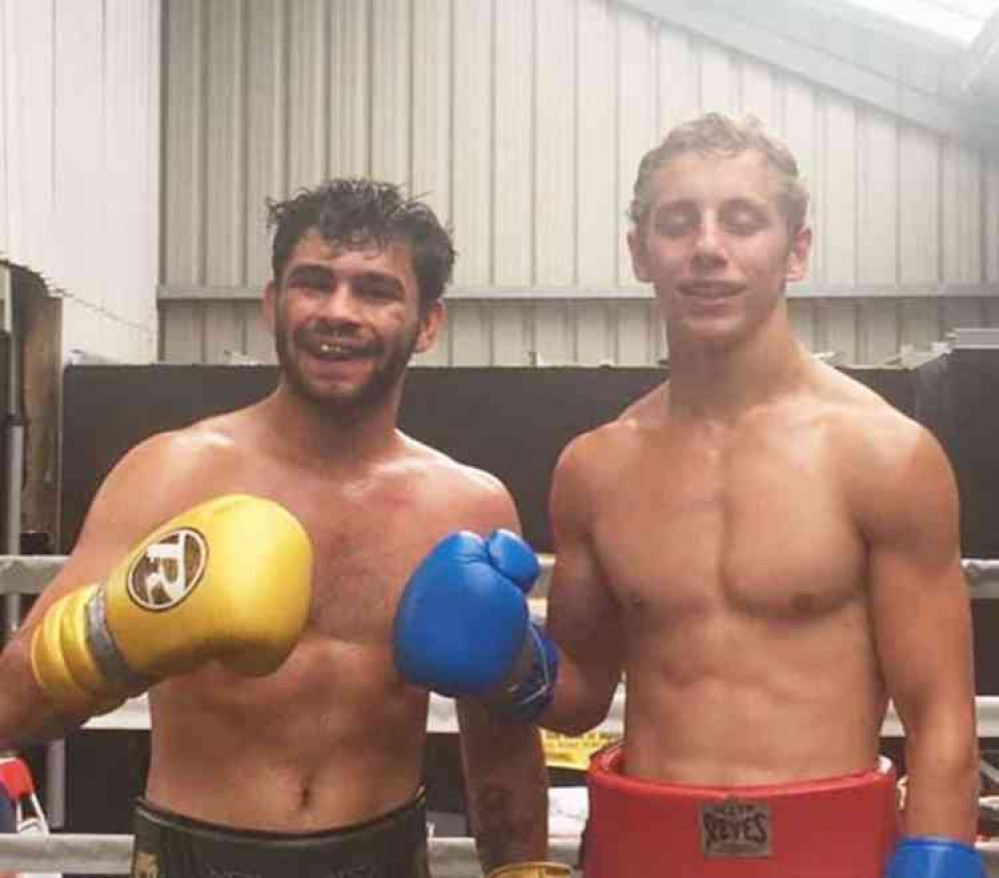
(527,699)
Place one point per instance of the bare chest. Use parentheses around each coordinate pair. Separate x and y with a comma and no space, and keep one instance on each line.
(757,530)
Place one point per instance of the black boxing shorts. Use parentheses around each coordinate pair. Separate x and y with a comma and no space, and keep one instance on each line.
(169,845)
(839,827)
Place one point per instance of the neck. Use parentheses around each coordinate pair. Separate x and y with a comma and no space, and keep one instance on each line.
(321,436)
(719,383)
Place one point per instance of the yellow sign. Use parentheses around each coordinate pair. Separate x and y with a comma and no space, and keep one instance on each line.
(563,751)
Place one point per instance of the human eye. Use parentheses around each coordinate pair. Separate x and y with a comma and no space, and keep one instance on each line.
(310,279)
(674,221)
(743,218)
(379,288)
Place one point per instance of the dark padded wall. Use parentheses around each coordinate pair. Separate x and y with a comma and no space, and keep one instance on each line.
(511,422)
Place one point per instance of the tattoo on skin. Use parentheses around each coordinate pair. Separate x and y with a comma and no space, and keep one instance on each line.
(499,831)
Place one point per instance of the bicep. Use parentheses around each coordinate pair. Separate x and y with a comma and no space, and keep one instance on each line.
(134,499)
(583,615)
(919,598)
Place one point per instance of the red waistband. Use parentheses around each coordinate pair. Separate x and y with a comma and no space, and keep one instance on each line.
(838,827)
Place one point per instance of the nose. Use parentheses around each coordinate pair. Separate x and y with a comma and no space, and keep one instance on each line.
(709,251)
(340,306)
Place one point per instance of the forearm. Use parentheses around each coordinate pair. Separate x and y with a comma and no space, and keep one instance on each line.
(26,716)
(582,697)
(506,784)
(941,787)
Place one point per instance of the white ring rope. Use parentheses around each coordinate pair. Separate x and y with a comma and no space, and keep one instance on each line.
(29,574)
(111,854)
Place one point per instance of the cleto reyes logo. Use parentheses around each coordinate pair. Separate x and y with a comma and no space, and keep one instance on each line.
(735,828)
(168,569)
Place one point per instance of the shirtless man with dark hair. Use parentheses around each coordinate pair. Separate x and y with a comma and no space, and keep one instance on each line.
(273,543)
(765,551)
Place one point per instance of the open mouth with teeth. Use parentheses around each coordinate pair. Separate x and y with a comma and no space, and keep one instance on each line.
(334,350)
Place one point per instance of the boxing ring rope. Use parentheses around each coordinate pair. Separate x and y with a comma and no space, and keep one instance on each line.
(449,857)
(111,854)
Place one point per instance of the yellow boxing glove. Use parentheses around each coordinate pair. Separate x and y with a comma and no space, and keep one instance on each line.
(227,580)
(531,870)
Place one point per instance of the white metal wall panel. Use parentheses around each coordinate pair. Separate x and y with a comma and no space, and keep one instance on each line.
(637,123)
(512,244)
(225,149)
(431,148)
(263,157)
(522,122)
(391,90)
(919,206)
(350,88)
(962,213)
(556,100)
(79,142)
(836,214)
(472,181)
(877,219)
(600,202)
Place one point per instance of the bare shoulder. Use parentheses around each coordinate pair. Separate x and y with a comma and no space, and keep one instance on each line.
(165,474)
(891,464)
(469,494)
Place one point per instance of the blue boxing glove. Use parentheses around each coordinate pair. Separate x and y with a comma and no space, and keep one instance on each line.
(462,623)
(923,857)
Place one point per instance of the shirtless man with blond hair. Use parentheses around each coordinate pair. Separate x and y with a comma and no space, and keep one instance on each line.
(273,543)
(766,552)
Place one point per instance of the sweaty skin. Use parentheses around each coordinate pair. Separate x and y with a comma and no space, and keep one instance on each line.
(334,737)
(765,549)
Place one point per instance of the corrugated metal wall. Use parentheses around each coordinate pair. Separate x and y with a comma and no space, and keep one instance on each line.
(80,160)
(524,121)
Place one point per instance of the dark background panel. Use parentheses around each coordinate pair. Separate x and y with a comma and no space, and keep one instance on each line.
(511,422)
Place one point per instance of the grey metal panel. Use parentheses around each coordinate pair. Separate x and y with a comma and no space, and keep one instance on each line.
(836,201)
(991,207)
(918,206)
(265,37)
(877,220)
(183,335)
(919,323)
(472,118)
(350,87)
(636,122)
(184,232)
(431,104)
(555,144)
(509,334)
(559,332)
(391,104)
(878,331)
(224,148)
(512,242)
(961,252)
(523,123)
(600,202)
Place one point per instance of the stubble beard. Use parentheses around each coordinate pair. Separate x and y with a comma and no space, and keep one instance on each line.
(349,406)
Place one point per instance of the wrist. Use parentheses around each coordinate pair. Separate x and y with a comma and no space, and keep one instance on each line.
(531,688)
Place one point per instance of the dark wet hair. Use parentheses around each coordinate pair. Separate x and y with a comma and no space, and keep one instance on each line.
(357,212)
(720,134)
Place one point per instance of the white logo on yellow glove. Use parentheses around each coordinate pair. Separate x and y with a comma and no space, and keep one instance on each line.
(168,570)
